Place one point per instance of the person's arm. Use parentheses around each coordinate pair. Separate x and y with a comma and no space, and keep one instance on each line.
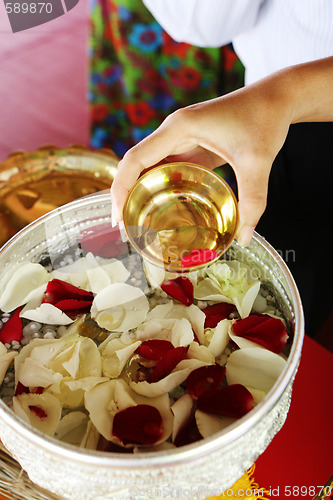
(245,128)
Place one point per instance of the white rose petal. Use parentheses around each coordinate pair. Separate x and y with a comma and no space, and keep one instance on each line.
(181,410)
(75,273)
(72,428)
(197,319)
(254,367)
(207,289)
(209,424)
(115,356)
(21,284)
(160,311)
(45,402)
(5,359)
(32,374)
(201,353)
(91,438)
(155,275)
(85,384)
(120,307)
(244,305)
(48,314)
(182,333)
(257,394)
(220,338)
(108,398)
(168,383)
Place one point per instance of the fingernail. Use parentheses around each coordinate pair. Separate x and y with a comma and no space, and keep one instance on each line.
(122,230)
(244,236)
(115,216)
(113,220)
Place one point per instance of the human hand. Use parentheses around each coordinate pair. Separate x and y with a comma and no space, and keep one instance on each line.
(245,128)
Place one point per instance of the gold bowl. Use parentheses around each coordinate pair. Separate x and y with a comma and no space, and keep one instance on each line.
(180,216)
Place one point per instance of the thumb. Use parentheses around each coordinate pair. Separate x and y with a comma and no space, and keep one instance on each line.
(252,195)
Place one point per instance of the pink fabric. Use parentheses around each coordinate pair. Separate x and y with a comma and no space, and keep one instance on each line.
(43,83)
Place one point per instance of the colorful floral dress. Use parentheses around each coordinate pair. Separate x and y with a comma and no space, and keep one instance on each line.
(139,74)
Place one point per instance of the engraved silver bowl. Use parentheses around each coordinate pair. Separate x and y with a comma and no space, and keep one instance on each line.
(199,470)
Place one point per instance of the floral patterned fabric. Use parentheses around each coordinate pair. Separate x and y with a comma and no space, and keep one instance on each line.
(139,74)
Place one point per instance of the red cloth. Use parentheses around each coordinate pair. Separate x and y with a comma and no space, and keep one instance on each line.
(300,457)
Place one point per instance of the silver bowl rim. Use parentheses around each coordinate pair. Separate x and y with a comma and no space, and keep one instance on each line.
(186,453)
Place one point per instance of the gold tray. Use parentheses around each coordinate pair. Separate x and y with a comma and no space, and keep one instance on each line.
(32,184)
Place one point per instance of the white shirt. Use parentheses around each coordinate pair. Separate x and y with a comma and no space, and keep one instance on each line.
(267,35)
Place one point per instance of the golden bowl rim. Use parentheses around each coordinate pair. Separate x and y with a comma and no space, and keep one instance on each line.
(222,181)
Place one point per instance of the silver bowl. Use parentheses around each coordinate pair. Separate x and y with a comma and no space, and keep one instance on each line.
(204,468)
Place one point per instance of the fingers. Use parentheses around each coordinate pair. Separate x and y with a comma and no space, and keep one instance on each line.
(170,138)
(252,194)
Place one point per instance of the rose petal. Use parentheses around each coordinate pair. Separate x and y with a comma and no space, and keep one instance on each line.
(203,379)
(230,401)
(5,361)
(21,285)
(264,330)
(217,312)
(72,428)
(115,356)
(169,361)
(103,240)
(58,290)
(209,424)
(141,424)
(105,400)
(38,411)
(197,319)
(181,410)
(42,411)
(180,288)
(220,338)
(12,329)
(255,367)
(182,333)
(154,349)
(168,383)
(120,307)
(46,313)
(198,256)
(201,353)
(188,433)
(22,389)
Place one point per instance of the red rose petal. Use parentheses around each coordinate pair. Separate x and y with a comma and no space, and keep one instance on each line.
(180,288)
(141,424)
(58,290)
(264,330)
(169,361)
(39,412)
(217,312)
(37,390)
(203,379)
(230,401)
(73,306)
(21,389)
(198,256)
(154,349)
(188,433)
(176,177)
(68,298)
(104,241)
(12,329)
